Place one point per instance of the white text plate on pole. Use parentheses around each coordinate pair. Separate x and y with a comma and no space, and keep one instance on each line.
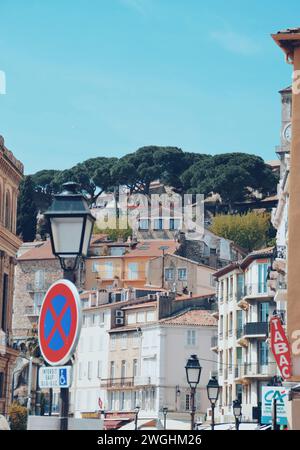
(55,377)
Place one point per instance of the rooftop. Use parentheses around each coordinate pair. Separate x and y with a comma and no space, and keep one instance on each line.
(194,317)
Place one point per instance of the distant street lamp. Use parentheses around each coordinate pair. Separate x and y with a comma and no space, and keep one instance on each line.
(213,390)
(136,412)
(71,224)
(165,412)
(193,373)
(237,412)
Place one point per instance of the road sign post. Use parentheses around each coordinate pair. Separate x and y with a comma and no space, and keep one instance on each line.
(59,330)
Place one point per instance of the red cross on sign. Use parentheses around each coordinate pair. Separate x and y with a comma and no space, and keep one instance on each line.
(59,323)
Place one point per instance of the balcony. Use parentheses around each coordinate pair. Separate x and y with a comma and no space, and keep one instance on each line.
(252,330)
(32,310)
(117,383)
(254,292)
(256,329)
(32,287)
(253,370)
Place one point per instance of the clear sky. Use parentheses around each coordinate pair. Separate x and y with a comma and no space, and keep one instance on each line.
(88,78)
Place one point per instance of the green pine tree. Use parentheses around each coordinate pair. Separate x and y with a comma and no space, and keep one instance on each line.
(27,211)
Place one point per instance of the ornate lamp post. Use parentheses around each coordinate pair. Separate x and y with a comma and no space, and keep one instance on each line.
(213,390)
(71,224)
(193,373)
(136,412)
(237,412)
(165,412)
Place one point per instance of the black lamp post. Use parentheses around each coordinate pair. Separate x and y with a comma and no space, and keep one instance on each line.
(193,373)
(165,412)
(136,412)
(213,389)
(237,412)
(71,224)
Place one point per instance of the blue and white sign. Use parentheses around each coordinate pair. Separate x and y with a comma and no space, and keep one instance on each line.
(280,394)
(55,377)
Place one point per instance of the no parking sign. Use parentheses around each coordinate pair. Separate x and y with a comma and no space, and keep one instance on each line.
(59,323)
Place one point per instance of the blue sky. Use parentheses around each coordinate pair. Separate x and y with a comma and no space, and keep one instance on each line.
(88,78)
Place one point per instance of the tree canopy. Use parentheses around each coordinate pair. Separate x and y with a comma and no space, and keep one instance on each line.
(27,211)
(250,231)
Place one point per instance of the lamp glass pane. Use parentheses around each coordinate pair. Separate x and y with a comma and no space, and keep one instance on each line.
(66,232)
(87,234)
(193,375)
(213,393)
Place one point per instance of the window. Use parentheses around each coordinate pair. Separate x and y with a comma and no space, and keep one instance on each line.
(187,402)
(133,271)
(191,337)
(141,317)
(135,368)
(150,316)
(95,267)
(84,321)
(117,251)
(112,370)
(144,224)
(182,274)
(239,392)
(263,350)
(174,224)
(158,224)
(264,312)
(39,279)
(90,370)
(122,401)
(131,318)
(108,270)
(37,302)
(169,274)
(123,369)
(3,316)
(113,342)
(124,341)
(1,384)
(99,369)
(262,277)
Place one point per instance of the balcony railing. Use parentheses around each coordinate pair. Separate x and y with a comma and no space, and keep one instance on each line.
(32,287)
(117,382)
(257,290)
(256,329)
(255,370)
(32,310)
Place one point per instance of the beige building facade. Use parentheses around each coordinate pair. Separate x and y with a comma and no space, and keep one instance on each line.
(11,173)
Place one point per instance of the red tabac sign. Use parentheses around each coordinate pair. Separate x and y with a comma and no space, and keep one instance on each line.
(280,347)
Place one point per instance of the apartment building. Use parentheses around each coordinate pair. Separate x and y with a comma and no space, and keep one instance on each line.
(181,275)
(122,264)
(245,362)
(11,173)
(278,276)
(126,356)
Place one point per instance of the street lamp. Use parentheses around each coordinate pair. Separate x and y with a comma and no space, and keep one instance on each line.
(71,224)
(213,389)
(193,373)
(237,412)
(136,412)
(165,412)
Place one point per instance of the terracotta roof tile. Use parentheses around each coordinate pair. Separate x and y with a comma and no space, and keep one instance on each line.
(196,317)
(43,251)
(151,248)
